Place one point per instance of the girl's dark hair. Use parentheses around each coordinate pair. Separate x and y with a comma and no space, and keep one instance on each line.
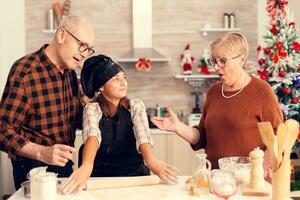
(108,109)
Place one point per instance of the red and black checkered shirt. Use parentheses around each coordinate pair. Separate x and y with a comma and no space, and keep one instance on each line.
(39,104)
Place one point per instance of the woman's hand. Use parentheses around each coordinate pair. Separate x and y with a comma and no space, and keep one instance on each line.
(169,123)
(77,180)
(163,170)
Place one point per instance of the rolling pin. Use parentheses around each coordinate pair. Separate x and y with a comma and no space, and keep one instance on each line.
(116,182)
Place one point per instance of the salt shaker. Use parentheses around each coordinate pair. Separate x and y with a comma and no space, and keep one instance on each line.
(232,20)
(226,20)
(257,170)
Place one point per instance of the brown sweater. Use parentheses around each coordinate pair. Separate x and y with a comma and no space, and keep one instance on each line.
(228,127)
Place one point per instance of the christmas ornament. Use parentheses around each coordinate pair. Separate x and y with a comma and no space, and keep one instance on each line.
(296,81)
(261,61)
(187,60)
(267,50)
(274,30)
(282,74)
(258,49)
(286,90)
(294,100)
(143,63)
(203,66)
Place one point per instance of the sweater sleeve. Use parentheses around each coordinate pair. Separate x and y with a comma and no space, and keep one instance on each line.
(270,108)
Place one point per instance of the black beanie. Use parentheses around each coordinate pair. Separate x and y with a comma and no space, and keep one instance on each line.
(96,71)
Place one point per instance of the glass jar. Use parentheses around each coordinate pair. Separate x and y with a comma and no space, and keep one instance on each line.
(202,176)
(43,186)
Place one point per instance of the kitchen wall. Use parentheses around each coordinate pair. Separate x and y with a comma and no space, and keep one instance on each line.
(175,23)
(12,47)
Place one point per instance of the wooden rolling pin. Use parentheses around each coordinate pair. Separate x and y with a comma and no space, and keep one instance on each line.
(116,182)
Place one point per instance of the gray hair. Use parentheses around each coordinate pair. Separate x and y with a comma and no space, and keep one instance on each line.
(71,23)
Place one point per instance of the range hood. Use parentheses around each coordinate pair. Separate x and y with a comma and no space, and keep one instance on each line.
(142,34)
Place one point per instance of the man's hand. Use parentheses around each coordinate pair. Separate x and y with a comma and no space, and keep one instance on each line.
(77,180)
(58,154)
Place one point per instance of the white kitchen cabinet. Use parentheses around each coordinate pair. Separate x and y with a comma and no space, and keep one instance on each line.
(175,151)
(168,147)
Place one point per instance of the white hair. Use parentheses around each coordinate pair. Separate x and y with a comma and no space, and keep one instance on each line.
(71,23)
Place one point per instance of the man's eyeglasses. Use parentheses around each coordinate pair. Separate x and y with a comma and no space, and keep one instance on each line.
(82,46)
(221,62)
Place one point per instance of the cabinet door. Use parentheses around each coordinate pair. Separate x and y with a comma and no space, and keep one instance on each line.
(181,155)
(160,148)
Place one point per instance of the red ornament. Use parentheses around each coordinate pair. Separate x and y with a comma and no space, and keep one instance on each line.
(296,46)
(263,74)
(298,70)
(258,49)
(294,100)
(286,90)
(267,50)
(293,24)
(261,61)
(299,134)
(282,74)
(274,30)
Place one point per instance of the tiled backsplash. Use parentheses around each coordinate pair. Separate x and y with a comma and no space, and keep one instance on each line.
(175,23)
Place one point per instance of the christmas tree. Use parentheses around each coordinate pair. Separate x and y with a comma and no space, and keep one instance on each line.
(279,58)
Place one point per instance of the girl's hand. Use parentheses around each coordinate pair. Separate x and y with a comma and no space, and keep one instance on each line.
(163,170)
(77,180)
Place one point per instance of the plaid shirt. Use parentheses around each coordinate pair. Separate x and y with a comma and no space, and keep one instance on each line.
(39,104)
(92,115)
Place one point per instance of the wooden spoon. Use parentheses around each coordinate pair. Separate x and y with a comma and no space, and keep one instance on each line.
(281,141)
(267,135)
(292,127)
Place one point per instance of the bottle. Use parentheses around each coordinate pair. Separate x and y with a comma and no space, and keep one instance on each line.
(232,20)
(158,109)
(226,20)
(202,176)
(50,19)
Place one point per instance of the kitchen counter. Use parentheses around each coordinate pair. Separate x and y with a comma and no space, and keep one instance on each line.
(161,191)
(154,131)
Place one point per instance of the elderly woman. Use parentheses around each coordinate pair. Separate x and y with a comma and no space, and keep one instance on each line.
(234,106)
(117,136)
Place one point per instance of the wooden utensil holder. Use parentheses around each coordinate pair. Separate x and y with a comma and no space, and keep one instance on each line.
(281,181)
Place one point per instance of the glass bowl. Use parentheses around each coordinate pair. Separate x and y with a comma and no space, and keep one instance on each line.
(240,166)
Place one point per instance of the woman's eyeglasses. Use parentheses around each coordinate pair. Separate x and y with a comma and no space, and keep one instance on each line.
(82,46)
(221,62)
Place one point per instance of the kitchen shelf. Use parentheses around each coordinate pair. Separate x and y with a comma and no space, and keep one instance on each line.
(197,80)
(49,31)
(205,31)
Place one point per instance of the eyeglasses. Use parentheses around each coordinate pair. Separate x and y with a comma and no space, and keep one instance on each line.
(82,46)
(221,62)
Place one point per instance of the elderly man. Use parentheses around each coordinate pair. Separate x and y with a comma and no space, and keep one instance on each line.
(40,108)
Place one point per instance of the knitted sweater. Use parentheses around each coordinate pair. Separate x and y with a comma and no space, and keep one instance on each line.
(228,127)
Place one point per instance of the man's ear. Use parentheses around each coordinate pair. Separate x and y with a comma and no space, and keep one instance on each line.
(60,36)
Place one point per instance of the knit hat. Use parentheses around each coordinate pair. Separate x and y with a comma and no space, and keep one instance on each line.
(96,71)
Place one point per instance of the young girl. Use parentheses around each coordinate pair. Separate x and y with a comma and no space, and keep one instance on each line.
(116,131)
